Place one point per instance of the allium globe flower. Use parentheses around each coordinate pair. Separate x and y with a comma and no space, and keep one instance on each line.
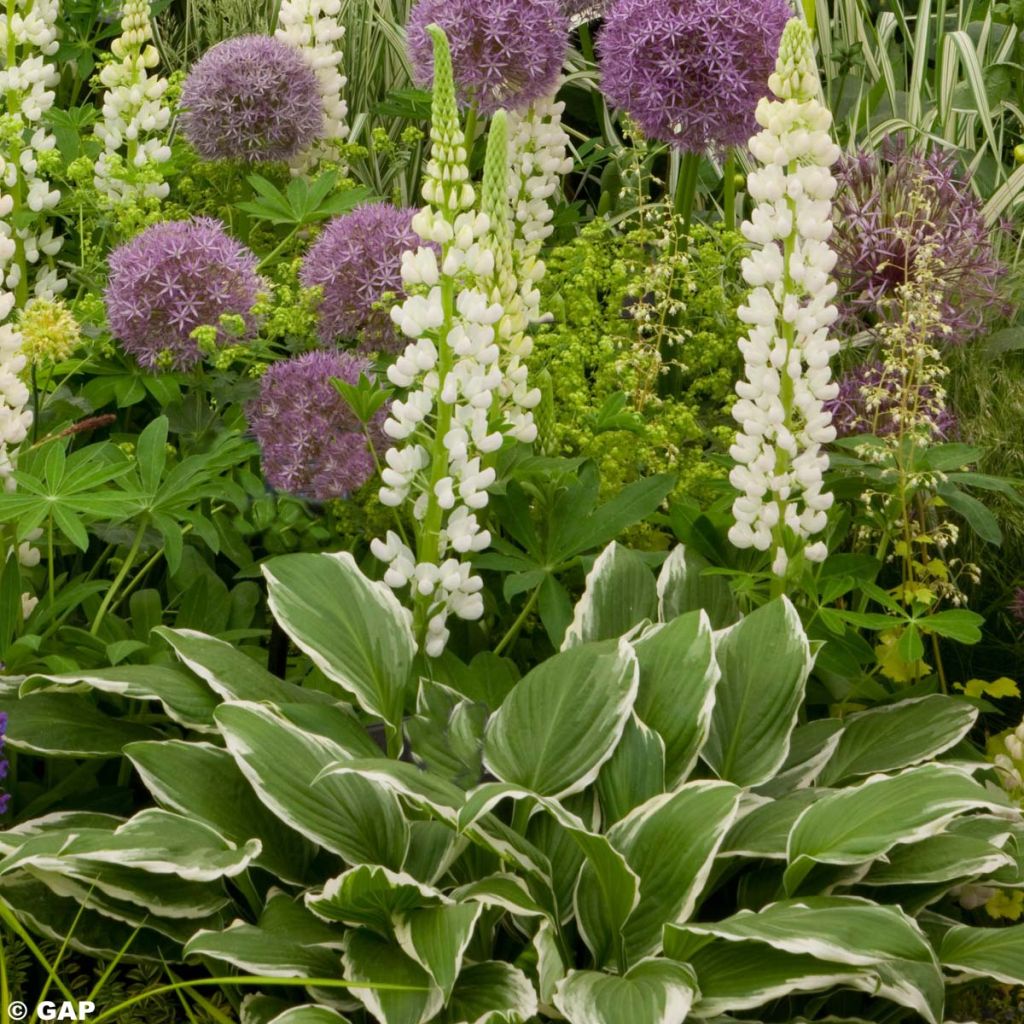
(505,53)
(357,260)
(251,98)
(312,443)
(690,72)
(871,401)
(888,208)
(171,279)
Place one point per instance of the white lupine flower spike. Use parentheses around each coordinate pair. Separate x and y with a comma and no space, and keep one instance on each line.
(784,425)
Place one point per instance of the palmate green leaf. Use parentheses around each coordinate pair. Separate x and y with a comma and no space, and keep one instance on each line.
(369,958)
(652,991)
(203,781)
(881,941)
(354,630)
(491,992)
(995,953)
(765,660)
(67,725)
(563,719)
(676,694)
(855,825)
(619,593)
(346,814)
(186,700)
(898,736)
(437,938)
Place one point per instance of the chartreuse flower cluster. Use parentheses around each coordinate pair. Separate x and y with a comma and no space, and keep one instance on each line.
(463,373)
(28,41)
(135,115)
(314,28)
(781,409)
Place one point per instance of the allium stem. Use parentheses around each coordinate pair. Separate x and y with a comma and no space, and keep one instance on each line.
(729,192)
(686,187)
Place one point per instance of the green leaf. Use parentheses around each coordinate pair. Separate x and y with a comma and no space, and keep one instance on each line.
(765,660)
(898,736)
(354,630)
(996,953)
(762,830)
(676,695)
(151,453)
(66,725)
(653,991)
(619,593)
(369,958)
(956,623)
(437,937)
(942,858)
(633,774)
(979,518)
(346,814)
(203,781)
(491,992)
(683,587)
(563,719)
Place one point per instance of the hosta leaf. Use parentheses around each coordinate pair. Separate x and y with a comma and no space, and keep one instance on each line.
(509,892)
(634,773)
(563,719)
(898,736)
(996,953)
(619,593)
(436,937)
(763,831)
(942,858)
(256,950)
(811,747)
(346,814)
(369,958)
(683,588)
(491,993)
(185,699)
(653,991)
(851,826)
(352,628)
(676,696)
(765,660)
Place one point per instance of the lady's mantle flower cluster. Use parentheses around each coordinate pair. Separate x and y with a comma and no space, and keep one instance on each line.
(252,98)
(28,39)
(172,278)
(135,115)
(463,376)
(781,407)
(313,28)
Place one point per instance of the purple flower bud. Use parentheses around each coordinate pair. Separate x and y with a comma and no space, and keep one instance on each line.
(251,98)
(312,443)
(175,277)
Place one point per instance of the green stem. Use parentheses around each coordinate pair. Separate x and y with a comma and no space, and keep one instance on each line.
(729,192)
(686,188)
(120,577)
(50,574)
(278,248)
(589,54)
(518,624)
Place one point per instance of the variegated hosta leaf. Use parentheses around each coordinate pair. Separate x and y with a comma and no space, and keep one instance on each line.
(262,1009)
(884,944)
(942,858)
(563,719)
(491,992)
(898,735)
(634,773)
(184,698)
(811,748)
(678,675)
(985,952)
(436,937)
(765,660)
(856,825)
(619,593)
(762,829)
(683,588)
(652,991)
(346,814)
(503,891)
(352,628)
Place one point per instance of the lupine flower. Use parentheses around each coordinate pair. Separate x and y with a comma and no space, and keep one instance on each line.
(311,442)
(172,278)
(357,260)
(872,398)
(5,798)
(313,27)
(28,77)
(15,414)
(781,408)
(252,98)
(463,373)
(135,115)
(690,72)
(506,53)
(889,206)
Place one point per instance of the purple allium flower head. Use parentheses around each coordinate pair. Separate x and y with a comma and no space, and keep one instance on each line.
(357,259)
(172,278)
(869,403)
(505,53)
(884,200)
(312,443)
(251,98)
(690,72)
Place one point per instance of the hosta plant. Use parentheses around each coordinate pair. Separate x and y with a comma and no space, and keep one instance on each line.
(642,828)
